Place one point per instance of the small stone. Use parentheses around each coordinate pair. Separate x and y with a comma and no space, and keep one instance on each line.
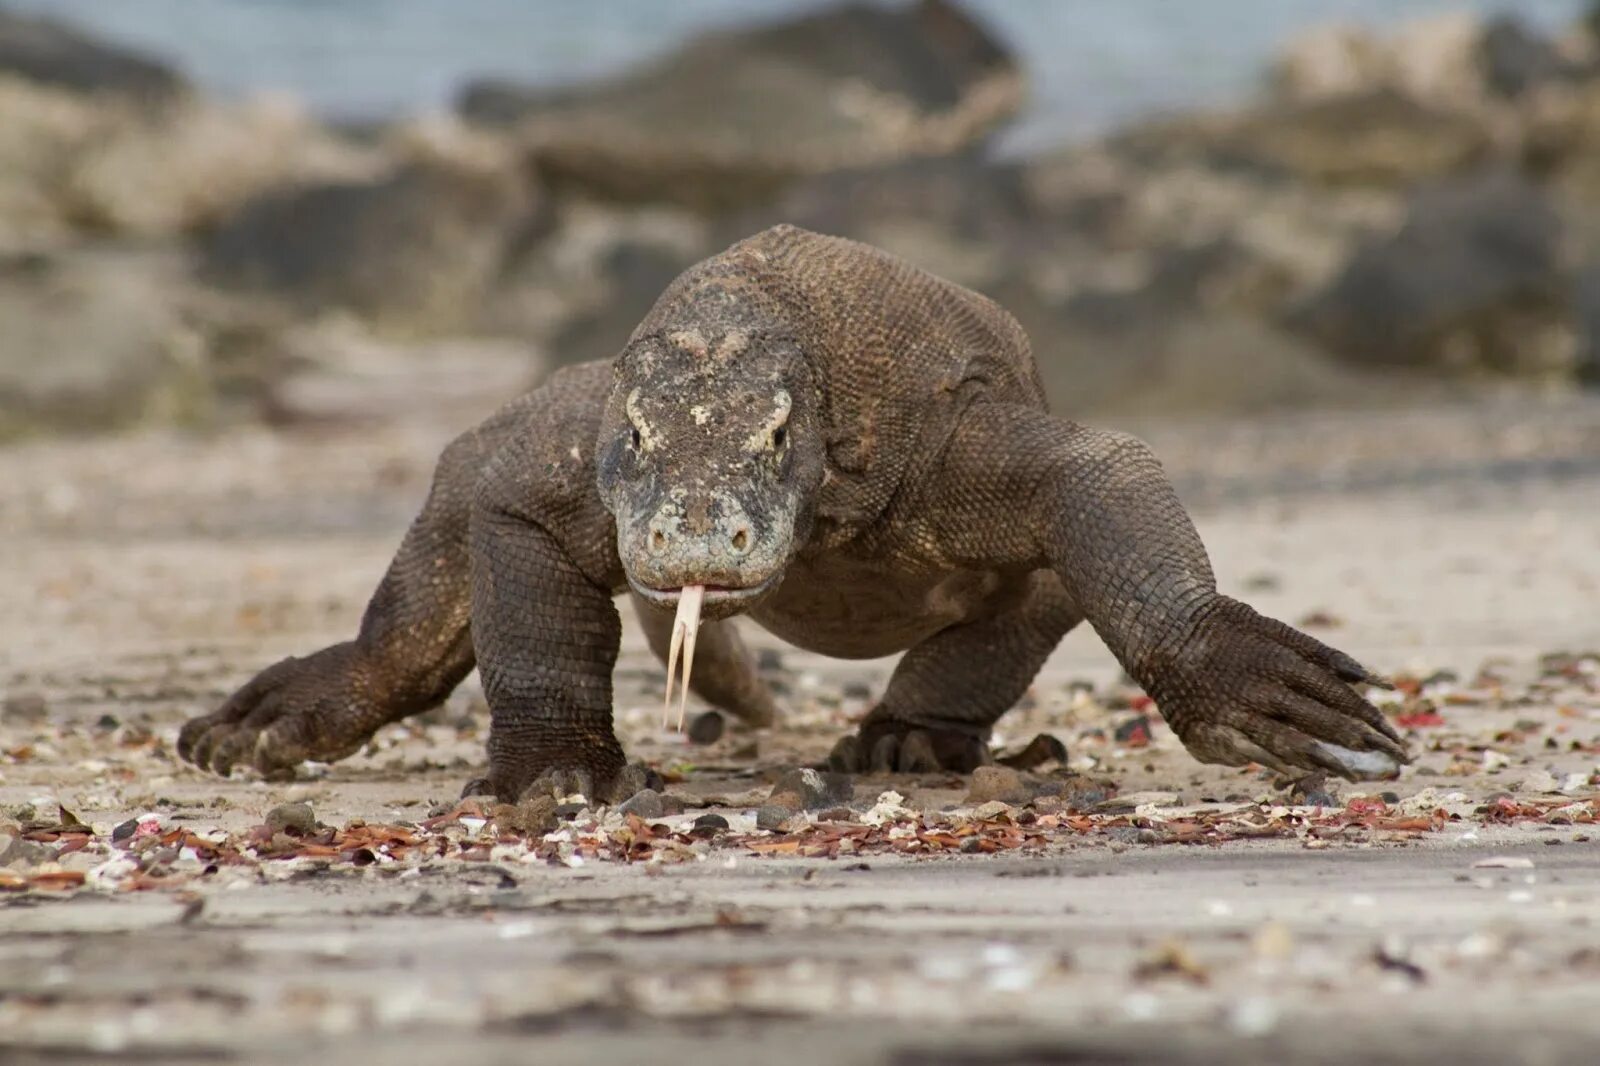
(711,822)
(645,804)
(1042,749)
(999,783)
(706,728)
(295,819)
(17,852)
(24,707)
(992,809)
(566,812)
(125,831)
(811,790)
(971,845)
(534,816)
(1313,791)
(1134,732)
(773,818)
(1504,862)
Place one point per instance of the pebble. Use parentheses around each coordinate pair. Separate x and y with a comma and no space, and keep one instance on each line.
(711,821)
(1042,749)
(706,728)
(992,809)
(1503,862)
(17,852)
(811,790)
(773,817)
(645,804)
(294,818)
(25,707)
(1000,784)
(534,816)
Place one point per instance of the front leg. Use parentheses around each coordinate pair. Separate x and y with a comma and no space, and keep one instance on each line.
(1097,509)
(546,637)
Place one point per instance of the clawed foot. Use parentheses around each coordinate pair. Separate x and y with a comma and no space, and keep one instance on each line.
(885,746)
(915,750)
(318,707)
(561,782)
(1241,688)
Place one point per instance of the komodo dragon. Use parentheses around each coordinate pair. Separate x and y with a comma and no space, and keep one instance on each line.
(857,455)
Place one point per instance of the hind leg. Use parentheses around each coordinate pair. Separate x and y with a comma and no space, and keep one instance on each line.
(724,674)
(948,691)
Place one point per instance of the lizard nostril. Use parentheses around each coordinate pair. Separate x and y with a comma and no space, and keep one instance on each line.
(658,540)
(741,541)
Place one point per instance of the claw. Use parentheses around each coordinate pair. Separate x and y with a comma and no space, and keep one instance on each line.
(685,628)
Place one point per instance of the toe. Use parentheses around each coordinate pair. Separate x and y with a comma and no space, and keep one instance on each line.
(847,756)
(885,754)
(1043,749)
(632,780)
(917,755)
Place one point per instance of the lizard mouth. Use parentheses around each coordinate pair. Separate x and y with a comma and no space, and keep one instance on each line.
(690,600)
(711,595)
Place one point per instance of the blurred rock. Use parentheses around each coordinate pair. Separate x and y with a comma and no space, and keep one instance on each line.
(999,783)
(297,818)
(54,53)
(960,217)
(334,369)
(1514,60)
(811,790)
(72,167)
(42,131)
(1586,312)
(1476,278)
(1455,60)
(190,166)
(732,116)
(417,250)
(582,288)
(1378,137)
(98,340)
(1329,60)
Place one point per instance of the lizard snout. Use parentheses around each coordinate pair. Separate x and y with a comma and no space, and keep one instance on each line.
(710,541)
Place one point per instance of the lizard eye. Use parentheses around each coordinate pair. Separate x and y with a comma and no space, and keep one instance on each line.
(780,437)
(636,439)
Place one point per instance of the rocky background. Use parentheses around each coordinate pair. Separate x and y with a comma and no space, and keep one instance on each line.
(1416,213)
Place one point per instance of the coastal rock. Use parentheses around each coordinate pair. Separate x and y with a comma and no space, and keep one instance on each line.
(192,165)
(74,167)
(53,53)
(1000,784)
(1456,59)
(732,116)
(1476,279)
(416,250)
(1380,137)
(98,340)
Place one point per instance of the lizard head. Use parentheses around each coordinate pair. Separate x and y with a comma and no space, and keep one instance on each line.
(709,458)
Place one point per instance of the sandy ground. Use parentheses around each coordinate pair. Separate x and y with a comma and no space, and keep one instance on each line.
(1143,905)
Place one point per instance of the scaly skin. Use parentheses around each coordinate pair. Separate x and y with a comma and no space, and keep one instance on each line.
(858,456)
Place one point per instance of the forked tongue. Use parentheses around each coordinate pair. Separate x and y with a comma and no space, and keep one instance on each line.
(685,628)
